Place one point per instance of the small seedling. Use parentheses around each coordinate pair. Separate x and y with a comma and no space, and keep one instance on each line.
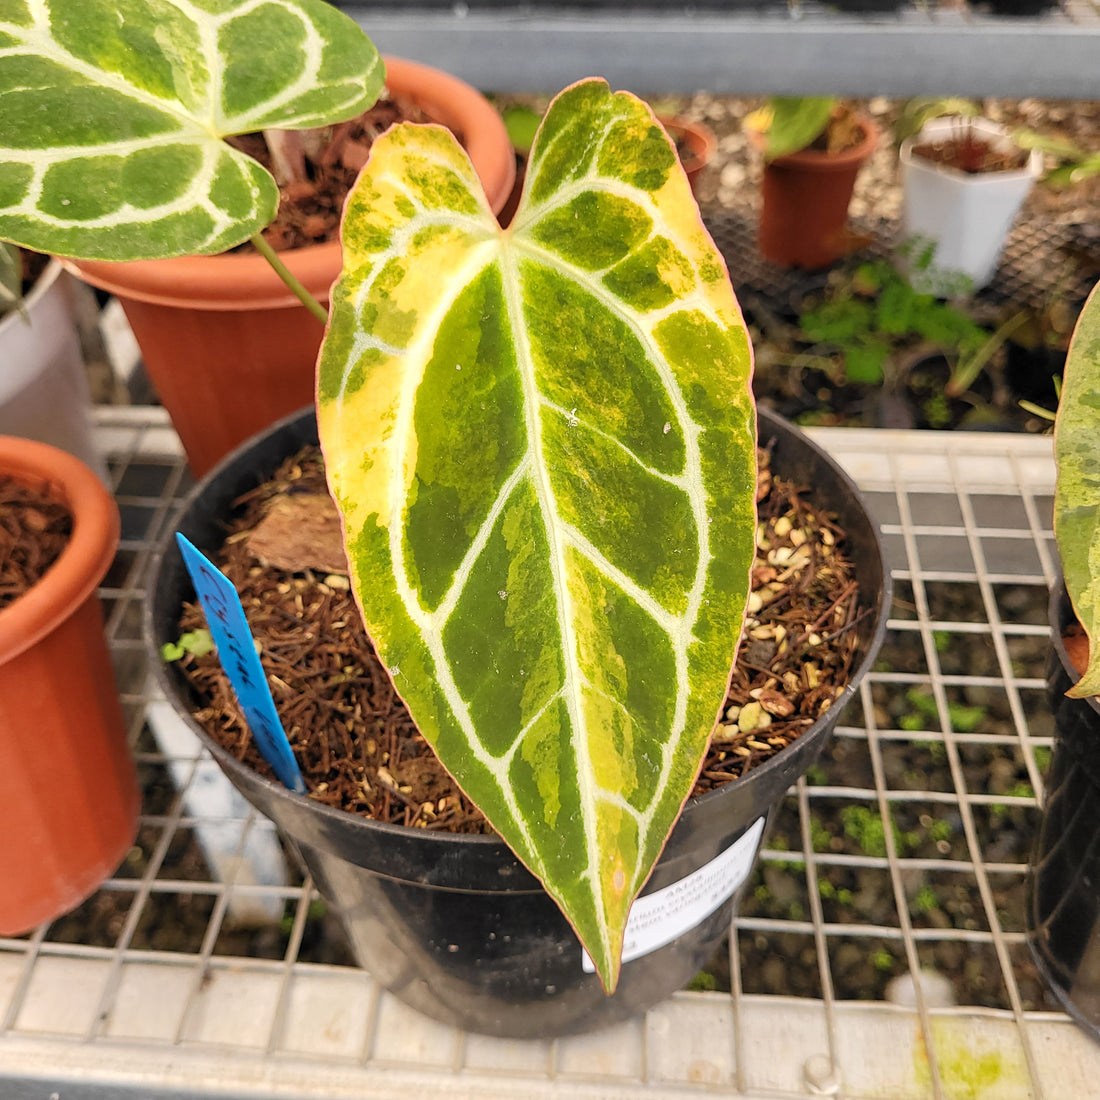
(197,643)
(882,960)
(926,900)
(864,826)
(703,982)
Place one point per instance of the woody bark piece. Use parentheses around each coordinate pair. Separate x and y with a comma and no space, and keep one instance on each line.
(300,532)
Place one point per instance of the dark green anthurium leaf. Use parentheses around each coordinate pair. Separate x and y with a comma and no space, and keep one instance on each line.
(541,440)
(112,115)
(1077,492)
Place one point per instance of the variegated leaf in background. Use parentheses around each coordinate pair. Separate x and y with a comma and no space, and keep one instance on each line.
(112,115)
(1077,492)
(542,444)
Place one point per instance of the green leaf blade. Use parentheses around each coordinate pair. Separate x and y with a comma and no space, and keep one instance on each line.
(548,484)
(113,115)
(296,64)
(1077,490)
(466,449)
(796,122)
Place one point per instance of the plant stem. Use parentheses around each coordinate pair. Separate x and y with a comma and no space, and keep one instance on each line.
(284,273)
(966,371)
(1036,410)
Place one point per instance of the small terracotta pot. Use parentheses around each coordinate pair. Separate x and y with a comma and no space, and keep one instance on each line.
(803,222)
(698,142)
(68,793)
(226,345)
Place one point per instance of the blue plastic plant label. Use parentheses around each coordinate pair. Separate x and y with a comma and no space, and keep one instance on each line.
(237,652)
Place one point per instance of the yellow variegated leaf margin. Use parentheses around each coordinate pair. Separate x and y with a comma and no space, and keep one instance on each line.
(112,115)
(1077,492)
(542,444)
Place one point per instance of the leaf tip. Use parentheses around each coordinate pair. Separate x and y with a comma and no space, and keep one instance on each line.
(1089,684)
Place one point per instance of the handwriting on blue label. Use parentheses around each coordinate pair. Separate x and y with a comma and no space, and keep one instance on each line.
(237,652)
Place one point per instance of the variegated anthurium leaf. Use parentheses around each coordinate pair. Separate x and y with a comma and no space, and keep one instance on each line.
(112,115)
(542,444)
(1077,491)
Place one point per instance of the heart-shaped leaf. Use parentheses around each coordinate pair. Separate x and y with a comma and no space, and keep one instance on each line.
(1077,492)
(112,115)
(542,444)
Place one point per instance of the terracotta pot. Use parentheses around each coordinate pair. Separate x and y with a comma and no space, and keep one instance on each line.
(696,142)
(226,345)
(803,222)
(68,793)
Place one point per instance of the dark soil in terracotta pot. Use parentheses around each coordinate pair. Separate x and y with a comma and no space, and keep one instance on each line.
(356,744)
(310,208)
(34,529)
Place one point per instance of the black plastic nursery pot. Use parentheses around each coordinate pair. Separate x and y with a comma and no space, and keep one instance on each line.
(1063,920)
(454,925)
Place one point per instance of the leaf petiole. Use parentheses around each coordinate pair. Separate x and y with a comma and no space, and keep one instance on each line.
(288,277)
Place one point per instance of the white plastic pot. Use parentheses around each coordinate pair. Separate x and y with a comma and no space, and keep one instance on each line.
(968,216)
(43,387)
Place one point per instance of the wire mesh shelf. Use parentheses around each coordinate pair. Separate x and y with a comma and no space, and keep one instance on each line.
(207,967)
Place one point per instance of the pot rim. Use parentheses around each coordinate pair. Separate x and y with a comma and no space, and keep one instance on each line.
(245,280)
(987,128)
(83,562)
(449,840)
(704,137)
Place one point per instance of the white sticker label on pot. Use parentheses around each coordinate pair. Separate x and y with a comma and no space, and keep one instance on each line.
(658,918)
